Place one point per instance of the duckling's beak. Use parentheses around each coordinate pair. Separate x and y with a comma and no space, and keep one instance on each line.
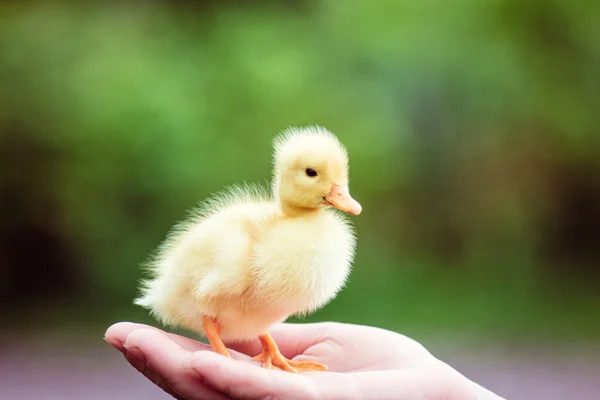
(339,197)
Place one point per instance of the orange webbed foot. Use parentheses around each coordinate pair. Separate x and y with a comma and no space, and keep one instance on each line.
(272,358)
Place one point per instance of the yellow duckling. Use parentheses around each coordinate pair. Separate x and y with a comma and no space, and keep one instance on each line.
(246,260)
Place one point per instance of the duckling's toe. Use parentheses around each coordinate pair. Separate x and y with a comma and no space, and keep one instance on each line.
(272,358)
(306,366)
(274,361)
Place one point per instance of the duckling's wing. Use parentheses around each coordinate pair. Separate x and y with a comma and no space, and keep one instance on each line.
(171,257)
(244,193)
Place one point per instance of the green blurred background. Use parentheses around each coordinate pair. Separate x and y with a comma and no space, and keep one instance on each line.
(472,127)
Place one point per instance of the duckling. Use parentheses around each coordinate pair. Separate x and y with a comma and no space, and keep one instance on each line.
(247,259)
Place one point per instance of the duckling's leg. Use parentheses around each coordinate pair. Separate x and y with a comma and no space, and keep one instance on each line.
(272,358)
(212,329)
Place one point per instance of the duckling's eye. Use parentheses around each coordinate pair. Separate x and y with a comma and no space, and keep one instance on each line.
(311,172)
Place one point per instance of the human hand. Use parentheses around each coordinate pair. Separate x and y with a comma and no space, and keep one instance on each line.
(364,363)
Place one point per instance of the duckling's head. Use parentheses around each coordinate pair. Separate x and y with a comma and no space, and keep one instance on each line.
(311,171)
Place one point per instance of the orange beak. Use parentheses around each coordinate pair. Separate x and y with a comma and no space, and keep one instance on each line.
(339,197)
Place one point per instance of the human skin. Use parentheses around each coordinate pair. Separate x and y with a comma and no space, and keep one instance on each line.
(364,363)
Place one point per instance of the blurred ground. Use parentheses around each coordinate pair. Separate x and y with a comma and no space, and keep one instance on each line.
(35,370)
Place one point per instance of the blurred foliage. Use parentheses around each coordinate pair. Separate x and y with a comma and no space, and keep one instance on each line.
(472,130)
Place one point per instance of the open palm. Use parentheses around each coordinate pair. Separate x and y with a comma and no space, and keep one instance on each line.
(364,363)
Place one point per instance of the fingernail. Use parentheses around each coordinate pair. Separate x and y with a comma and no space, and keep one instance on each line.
(116,344)
(136,358)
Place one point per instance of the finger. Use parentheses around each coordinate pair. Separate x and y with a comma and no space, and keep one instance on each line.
(244,381)
(138,361)
(292,339)
(165,359)
(117,334)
